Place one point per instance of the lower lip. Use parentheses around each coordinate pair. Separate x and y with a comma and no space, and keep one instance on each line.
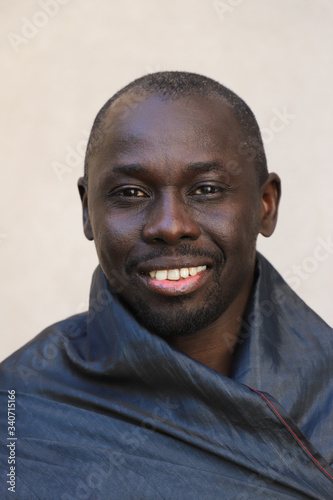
(177,287)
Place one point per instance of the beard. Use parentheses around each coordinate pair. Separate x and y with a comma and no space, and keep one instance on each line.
(177,316)
(179,320)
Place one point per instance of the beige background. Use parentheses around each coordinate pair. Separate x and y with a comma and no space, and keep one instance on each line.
(62,59)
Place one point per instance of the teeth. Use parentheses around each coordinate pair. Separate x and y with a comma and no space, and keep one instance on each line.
(161,275)
(173,274)
(176,274)
(184,272)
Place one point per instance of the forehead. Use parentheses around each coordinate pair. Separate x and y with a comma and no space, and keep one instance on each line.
(144,128)
(137,115)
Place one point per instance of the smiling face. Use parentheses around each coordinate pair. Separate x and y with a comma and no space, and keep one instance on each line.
(174,208)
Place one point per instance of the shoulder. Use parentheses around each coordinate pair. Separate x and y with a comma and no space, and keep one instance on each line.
(42,353)
(286,306)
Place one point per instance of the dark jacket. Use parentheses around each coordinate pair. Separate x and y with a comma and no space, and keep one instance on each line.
(106,410)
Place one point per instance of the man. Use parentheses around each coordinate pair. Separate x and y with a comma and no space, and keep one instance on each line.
(197,372)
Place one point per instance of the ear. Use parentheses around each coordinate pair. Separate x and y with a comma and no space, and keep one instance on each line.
(83,190)
(270,193)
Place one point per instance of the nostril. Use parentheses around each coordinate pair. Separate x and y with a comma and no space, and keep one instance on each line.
(170,229)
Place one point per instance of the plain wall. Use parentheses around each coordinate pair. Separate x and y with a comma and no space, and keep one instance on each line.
(62,59)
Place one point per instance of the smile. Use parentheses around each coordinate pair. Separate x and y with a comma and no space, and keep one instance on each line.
(176,274)
(175,281)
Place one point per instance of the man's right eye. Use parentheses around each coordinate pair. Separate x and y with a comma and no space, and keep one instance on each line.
(131,192)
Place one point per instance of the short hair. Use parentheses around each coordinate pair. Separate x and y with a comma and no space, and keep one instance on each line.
(172,85)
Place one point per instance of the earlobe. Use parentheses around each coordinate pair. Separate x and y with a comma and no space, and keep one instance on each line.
(270,194)
(83,190)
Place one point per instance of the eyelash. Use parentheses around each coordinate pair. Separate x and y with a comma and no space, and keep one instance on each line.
(214,189)
(122,193)
(132,192)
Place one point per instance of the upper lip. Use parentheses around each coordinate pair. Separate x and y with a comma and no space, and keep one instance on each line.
(173,263)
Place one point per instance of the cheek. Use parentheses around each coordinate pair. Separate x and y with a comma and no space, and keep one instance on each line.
(233,227)
(113,237)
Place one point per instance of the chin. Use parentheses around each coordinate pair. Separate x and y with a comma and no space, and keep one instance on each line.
(179,321)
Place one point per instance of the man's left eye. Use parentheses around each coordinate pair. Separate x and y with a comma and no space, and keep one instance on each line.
(207,189)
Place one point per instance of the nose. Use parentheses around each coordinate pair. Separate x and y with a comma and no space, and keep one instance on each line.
(169,221)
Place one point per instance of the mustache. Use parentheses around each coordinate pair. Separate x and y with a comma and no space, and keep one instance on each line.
(182,250)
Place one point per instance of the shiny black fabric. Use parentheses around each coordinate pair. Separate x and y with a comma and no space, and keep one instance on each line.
(106,410)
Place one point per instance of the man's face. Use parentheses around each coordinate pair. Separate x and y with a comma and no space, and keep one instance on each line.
(173,206)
